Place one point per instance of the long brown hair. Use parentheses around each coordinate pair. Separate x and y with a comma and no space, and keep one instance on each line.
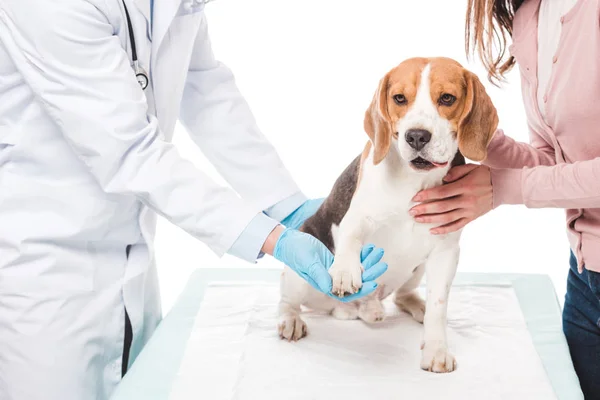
(488,24)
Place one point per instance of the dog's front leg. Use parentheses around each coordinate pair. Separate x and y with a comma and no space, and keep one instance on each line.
(440,268)
(346,271)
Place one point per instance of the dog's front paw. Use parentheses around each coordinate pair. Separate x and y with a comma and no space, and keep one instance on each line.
(435,357)
(291,327)
(346,277)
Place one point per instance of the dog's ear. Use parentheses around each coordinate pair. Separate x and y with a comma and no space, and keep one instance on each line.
(478,121)
(377,121)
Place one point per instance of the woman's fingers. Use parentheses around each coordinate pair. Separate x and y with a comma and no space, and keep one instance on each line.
(452,227)
(472,189)
(459,172)
(438,207)
(443,218)
(440,192)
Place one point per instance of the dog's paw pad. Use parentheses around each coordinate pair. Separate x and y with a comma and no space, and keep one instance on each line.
(346,278)
(437,359)
(292,328)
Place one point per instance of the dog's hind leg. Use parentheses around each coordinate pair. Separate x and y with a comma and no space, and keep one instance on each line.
(408,300)
(345,311)
(370,309)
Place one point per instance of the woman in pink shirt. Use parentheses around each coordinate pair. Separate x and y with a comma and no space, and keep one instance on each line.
(556,45)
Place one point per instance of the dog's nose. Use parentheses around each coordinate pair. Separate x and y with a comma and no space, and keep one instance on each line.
(417,138)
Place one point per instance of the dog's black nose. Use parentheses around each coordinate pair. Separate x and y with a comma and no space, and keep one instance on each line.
(417,138)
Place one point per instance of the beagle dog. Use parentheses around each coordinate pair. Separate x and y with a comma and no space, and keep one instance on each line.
(426,114)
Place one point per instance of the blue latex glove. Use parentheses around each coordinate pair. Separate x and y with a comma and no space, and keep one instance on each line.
(310,259)
(302,213)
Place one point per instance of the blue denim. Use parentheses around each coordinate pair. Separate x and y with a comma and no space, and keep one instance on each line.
(581,325)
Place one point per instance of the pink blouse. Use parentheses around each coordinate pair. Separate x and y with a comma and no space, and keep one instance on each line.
(561,166)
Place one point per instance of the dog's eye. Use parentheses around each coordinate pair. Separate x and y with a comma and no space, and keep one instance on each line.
(447,99)
(400,99)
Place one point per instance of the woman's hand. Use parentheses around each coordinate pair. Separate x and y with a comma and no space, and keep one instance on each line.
(310,259)
(466,197)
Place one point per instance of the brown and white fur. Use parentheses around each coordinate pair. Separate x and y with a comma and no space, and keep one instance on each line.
(370,202)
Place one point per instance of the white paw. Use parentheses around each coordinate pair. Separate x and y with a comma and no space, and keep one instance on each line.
(346,276)
(412,304)
(436,358)
(345,311)
(292,328)
(371,311)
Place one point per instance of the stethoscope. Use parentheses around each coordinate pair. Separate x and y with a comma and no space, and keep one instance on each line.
(140,74)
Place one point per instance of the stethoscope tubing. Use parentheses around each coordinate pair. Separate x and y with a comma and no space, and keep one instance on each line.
(140,74)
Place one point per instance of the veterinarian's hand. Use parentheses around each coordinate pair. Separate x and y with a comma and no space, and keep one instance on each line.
(310,259)
(302,213)
(466,197)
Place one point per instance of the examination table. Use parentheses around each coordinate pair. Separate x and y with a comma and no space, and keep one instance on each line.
(220,342)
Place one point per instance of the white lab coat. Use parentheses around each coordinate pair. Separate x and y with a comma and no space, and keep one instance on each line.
(86,164)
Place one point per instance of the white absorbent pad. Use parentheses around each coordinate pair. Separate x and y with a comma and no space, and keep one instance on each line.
(234,352)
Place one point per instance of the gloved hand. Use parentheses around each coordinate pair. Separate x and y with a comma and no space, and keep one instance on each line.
(310,259)
(302,213)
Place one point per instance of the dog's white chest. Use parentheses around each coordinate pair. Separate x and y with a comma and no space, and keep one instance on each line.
(404,241)
(383,204)
(406,244)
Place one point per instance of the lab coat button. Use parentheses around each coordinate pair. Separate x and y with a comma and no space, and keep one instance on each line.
(554,59)
(545,98)
(562,20)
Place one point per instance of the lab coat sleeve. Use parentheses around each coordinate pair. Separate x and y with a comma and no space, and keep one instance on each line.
(79,73)
(250,241)
(220,122)
(285,207)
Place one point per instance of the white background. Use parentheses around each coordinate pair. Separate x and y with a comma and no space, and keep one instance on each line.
(308,70)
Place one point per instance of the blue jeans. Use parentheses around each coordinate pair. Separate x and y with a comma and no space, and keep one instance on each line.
(581,325)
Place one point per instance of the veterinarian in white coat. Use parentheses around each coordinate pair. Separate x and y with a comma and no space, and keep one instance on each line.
(85,167)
